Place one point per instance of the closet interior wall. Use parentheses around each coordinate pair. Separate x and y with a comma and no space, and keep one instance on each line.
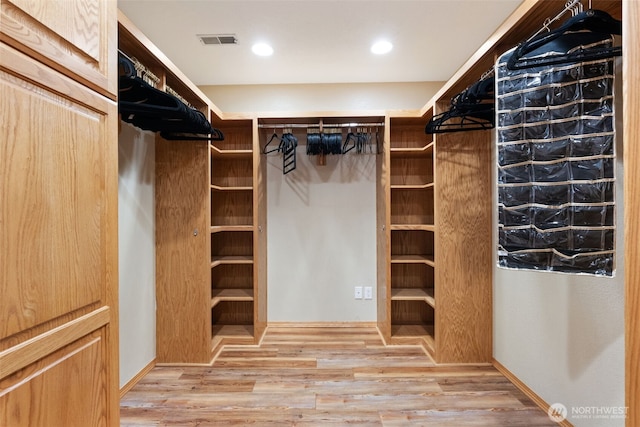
(322,221)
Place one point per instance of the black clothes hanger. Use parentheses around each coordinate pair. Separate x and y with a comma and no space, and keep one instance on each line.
(271,150)
(478,118)
(351,137)
(563,45)
(471,109)
(289,144)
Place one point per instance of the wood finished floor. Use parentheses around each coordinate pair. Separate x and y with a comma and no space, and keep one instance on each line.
(327,376)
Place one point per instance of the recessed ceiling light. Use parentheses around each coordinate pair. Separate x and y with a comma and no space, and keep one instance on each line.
(381,47)
(262,49)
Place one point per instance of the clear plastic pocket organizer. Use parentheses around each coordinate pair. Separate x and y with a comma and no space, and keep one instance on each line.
(556,167)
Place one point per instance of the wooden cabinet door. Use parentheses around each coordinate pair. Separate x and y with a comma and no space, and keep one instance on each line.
(75,37)
(183,272)
(58,248)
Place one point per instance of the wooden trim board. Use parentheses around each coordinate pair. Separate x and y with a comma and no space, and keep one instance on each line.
(372,324)
(136,379)
(526,390)
(631,109)
(24,354)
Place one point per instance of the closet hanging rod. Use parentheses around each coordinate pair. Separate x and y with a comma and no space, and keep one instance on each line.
(317,125)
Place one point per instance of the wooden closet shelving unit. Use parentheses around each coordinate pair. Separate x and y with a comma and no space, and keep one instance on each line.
(234,236)
(454,321)
(182,205)
(207,217)
(412,304)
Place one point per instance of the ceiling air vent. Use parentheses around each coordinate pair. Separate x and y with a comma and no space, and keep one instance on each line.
(218,38)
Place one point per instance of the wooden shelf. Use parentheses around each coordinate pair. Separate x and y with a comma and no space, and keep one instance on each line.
(230,154)
(230,260)
(231,334)
(233,331)
(413,186)
(243,188)
(414,294)
(411,333)
(412,151)
(413,259)
(413,227)
(231,295)
(223,228)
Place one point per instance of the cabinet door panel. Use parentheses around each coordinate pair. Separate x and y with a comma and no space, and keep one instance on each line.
(72,36)
(72,382)
(53,182)
(182,247)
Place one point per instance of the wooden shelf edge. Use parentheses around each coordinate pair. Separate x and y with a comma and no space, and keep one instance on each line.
(216,261)
(413,335)
(239,188)
(412,259)
(413,227)
(220,295)
(219,153)
(231,335)
(235,228)
(414,294)
(412,186)
(416,151)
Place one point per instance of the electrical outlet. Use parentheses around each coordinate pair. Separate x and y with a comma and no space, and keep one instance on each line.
(368,292)
(358,292)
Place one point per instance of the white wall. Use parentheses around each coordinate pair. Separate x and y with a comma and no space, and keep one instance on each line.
(321,97)
(321,227)
(136,250)
(563,335)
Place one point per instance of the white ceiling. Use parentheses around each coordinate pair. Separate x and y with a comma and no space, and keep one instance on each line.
(318,41)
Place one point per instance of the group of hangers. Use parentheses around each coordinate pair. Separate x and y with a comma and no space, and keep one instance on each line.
(287,144)
(471,109)
(597,23)
(474,108)
(361,141)
(321,142)
(148,108)
(329,141)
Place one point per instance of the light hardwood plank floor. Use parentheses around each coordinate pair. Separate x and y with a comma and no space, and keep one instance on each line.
(327,376)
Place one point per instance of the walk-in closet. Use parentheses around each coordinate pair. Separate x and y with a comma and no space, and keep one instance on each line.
(349,243)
